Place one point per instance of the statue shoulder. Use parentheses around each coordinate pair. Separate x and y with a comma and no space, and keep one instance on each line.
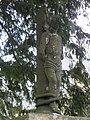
(44,34)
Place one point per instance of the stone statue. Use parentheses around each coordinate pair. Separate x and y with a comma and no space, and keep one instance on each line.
(50,52)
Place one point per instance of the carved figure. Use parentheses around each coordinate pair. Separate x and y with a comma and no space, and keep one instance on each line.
(51,54)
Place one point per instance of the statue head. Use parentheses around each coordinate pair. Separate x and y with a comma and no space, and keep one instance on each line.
(54,24)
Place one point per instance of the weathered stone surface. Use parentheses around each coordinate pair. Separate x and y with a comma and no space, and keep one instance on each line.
(40,116)
(50,52)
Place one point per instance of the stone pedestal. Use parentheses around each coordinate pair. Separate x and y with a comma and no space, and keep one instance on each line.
(40,116)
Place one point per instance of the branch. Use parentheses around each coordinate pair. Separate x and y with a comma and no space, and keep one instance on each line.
(11,38)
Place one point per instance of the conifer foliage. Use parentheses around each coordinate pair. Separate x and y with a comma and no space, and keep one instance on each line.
(18,38)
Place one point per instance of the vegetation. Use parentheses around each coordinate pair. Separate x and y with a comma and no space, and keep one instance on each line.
(18,38)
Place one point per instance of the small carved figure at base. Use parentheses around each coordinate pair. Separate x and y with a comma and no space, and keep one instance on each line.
(48,109)
(54,107)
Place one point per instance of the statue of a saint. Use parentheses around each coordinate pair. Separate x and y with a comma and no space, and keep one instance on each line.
(50,52)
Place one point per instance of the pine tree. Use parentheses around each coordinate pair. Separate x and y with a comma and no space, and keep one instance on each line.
(20,38)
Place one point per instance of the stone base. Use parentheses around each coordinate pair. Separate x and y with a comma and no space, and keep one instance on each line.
(44,109)
(40,116)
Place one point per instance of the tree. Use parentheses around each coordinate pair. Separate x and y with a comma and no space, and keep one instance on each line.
(18,23)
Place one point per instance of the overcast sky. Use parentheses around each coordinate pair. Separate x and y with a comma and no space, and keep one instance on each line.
(84,23)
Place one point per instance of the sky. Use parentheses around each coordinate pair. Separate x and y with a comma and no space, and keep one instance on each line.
(84,23)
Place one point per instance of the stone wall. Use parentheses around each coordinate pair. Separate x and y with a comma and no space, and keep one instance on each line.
(38,116)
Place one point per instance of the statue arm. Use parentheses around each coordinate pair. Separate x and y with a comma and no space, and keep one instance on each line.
(61,48)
